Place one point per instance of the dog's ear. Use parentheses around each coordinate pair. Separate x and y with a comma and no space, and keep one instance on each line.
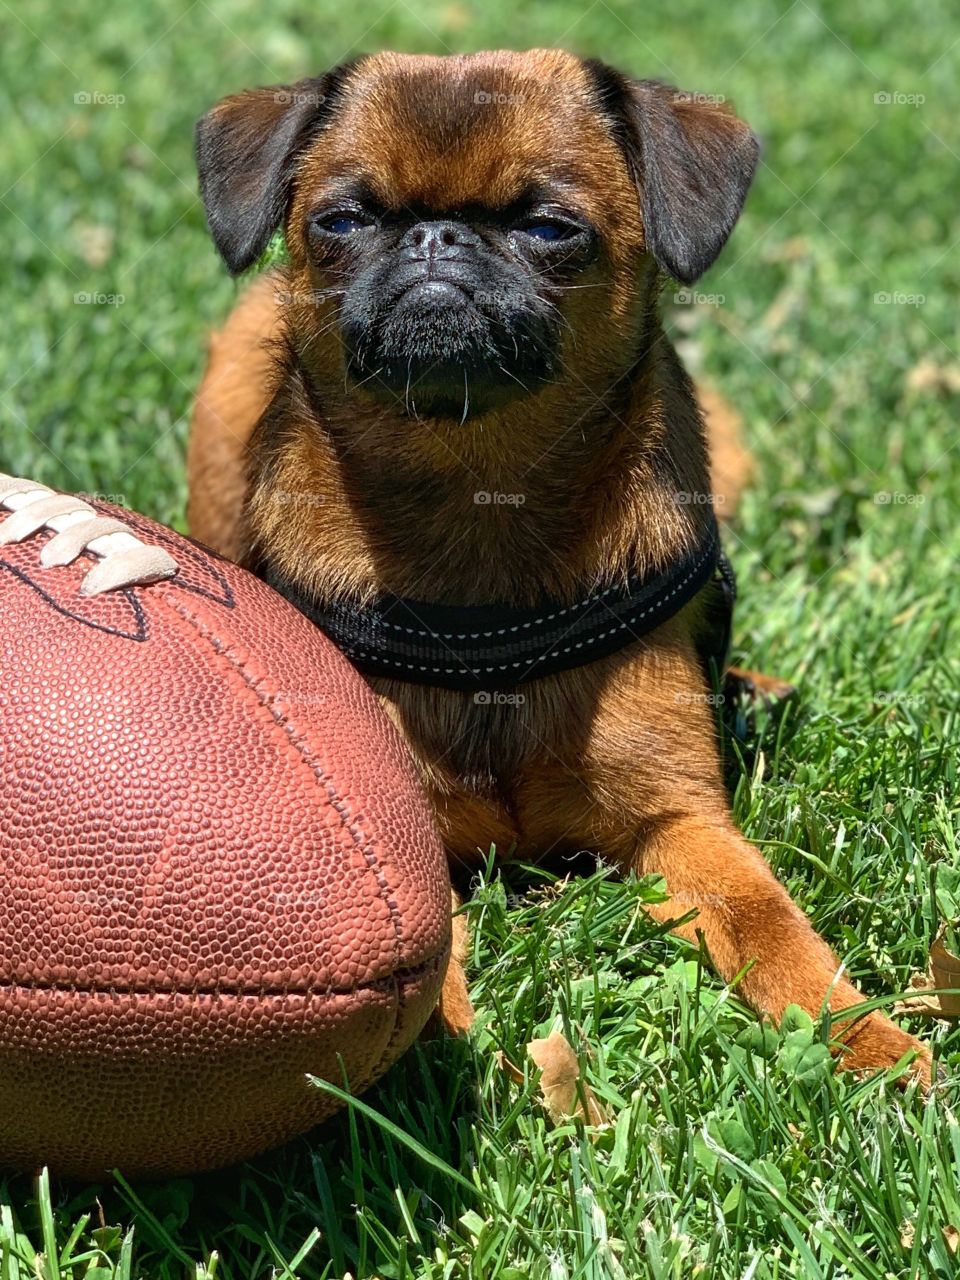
(693,162)
(246,149)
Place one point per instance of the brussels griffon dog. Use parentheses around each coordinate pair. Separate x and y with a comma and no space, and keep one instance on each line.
(452,431)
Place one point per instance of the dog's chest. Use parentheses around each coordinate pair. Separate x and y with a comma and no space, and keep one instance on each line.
(521,770)
(579,761)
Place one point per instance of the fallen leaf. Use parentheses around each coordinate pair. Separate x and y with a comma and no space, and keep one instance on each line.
(905,615)
(945,967)
(455,17)
(791,250)
(136,157)
(952,1237)
(927,375)
(95,242)
(924,997)
(907,1233)
(559,1081)
(787,301)
(455,1007)
(920,1001)
(510,1068)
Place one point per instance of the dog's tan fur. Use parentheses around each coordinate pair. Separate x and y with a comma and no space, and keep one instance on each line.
(618,756)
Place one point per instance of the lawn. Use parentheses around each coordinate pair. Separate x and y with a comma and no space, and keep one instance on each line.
(832,322)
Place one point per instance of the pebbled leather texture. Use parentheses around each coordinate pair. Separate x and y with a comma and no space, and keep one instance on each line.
(217,870)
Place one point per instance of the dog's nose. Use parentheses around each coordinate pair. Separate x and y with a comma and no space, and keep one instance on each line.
(439,239)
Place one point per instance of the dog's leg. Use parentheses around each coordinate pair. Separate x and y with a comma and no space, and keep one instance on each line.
(748,919)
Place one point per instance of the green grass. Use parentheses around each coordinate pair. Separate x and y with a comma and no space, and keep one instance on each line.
(734,1153)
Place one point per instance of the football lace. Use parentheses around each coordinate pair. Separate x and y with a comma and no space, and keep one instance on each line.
(124,560)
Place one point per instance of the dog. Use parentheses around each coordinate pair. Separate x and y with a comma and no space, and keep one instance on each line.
(453,431)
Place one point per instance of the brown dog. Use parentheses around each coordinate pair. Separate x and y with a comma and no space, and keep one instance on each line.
(454,432)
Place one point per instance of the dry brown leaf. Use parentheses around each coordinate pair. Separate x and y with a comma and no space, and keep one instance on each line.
(511,1069)
(95,242)
(791,250)
(927,375)
(788,300)
(952,1237)
(905,615)
(920,1001)
(944,971)
(907,1233)
(559,1079)
(945,967)
(455,1007)
(455,17)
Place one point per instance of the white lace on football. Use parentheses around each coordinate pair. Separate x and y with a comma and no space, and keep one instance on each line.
(124,559)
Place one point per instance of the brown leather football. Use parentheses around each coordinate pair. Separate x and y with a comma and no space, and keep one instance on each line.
(218,874)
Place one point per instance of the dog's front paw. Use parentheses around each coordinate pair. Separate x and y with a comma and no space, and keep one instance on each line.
(874,1043)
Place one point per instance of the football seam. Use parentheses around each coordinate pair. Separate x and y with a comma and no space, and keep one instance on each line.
(265,698)
(410,974)
(139,635)
(203,558)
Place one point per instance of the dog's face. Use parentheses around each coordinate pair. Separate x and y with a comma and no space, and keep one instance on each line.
(468,232)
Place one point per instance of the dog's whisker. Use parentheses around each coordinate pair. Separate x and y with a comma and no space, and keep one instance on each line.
(512,375)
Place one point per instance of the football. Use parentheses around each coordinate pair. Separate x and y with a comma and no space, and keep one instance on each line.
(219,875)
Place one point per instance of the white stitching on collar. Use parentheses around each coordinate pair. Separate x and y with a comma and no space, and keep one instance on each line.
(124,559)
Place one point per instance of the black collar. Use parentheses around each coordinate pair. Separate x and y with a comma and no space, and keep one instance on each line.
(480,648)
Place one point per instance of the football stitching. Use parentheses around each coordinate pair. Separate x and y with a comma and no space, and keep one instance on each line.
(352,828)
(410,974)
(363,845)
(139,635)
(182,548)
(123,559)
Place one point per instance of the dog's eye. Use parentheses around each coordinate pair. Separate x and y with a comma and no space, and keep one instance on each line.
(343,222)
(547,230)
(344,225)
